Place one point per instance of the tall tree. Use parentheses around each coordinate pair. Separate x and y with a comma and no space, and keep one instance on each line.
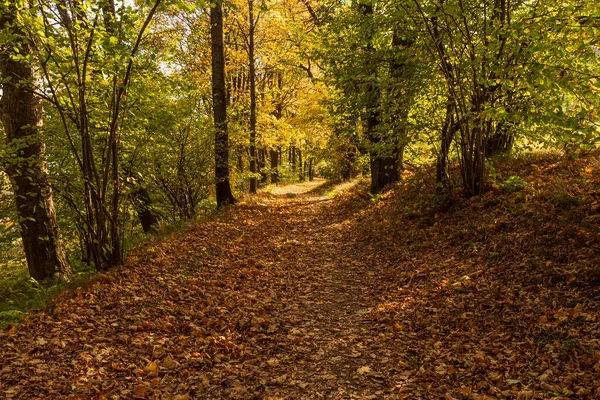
(384,152)
(223,188)
(252,26)
(21,114)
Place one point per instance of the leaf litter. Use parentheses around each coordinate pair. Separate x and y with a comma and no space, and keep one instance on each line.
(314,297)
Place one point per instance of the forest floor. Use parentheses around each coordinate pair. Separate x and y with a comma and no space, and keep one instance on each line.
(315,291)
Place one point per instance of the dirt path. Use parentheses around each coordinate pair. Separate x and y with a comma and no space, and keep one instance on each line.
(267,301)
(326,345)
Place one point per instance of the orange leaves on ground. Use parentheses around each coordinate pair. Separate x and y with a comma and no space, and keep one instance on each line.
(495,297)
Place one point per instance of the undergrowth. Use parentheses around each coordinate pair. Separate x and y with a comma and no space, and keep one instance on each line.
(20,294)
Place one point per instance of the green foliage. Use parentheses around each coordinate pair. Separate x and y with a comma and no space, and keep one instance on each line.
(514,183)
(375,198)
(10,317)
(19,293)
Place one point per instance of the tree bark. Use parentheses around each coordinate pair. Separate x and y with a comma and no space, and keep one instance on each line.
(143,206)
(500,141)
(223,188)
(252,77)
(384,168)
(274,166)
(21,115)
(447,135)
(300,166)
(262,162)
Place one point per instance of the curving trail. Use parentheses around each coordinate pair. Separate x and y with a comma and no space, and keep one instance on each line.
(269,300)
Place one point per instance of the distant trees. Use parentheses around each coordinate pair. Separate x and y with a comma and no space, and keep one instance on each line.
(137,134)
(275,100)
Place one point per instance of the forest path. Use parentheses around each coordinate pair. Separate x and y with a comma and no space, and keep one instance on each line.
(266,301)
(324,347)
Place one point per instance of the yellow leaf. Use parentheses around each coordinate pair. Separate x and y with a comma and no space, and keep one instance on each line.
(151,367)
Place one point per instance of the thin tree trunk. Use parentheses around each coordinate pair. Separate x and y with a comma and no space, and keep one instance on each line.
(274,166)
(21,114)
(252,77)
(240,159)
(448,131)
(262,162)
(300,166)
(223,188)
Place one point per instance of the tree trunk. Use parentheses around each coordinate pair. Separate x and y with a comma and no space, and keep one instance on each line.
(274,166)
(384,167)
(142,202)
(500,141)
(304,170)
(300,166)
(252,77)
(293,150)
(262,163)
(21,114)
(384,171)
(223,188)
(240,159)
(348,162)
(311,175)
(143,207)
(448,131)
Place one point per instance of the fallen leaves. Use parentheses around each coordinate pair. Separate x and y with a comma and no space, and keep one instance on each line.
(314,299)
(363,370)
(142,391)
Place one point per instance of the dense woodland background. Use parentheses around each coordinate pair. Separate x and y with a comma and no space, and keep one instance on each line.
(124,119)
